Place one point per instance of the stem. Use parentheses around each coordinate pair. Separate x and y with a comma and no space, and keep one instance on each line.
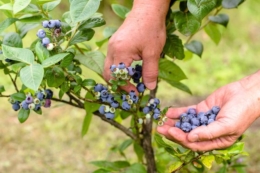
(43,12)
(147,141)
(72,35)
(192,160)
(78,48)
(13,81)
(4,95)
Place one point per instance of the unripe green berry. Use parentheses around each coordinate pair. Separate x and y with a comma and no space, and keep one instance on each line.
(31,106)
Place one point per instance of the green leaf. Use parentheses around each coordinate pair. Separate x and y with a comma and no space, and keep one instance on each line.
(23,115)
(213,32)
(221,19)
(179,86)
(23,28)
(207,160)
(67,60)
(17,66)
(186,23)
(31,76)
(136,168)
(89,82)
(111,166)
(169,71)
(125,144)
(13,39)
(51,5)
(81,36)
(83,9)
(175,166)
(231,3)
(55,76)
(94,60)
(120,10)
(41,52)
(7,22)
(201,8)
(189,156)
(19,5)
(101,171)
(90,108)
(30,18)
(174,47)
(2,88)
(7,6)
(195,47)
(18,54)
(54,59)
(138,151)
(92,23)
(18,96)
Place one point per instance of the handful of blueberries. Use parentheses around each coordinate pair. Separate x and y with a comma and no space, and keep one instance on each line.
(191,119)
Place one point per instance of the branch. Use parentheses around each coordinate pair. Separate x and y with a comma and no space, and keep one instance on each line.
(112,122)
(13,81)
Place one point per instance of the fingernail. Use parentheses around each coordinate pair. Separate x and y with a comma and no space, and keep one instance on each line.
(194,138)
(150,85)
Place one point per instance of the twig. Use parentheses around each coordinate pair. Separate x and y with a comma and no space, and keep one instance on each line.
(14,83)
(1,95)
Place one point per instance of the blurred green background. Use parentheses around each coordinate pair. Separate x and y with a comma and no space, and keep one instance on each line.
(52,142)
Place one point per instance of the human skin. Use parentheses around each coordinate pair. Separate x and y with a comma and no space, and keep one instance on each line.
(141,37)
(240,107)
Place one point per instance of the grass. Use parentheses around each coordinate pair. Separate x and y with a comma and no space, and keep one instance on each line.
(52,142)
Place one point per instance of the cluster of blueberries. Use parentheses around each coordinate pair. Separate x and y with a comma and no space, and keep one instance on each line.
(54,26)
(42,98)
(191,119)
(126,73)
(127,101)
(103,94)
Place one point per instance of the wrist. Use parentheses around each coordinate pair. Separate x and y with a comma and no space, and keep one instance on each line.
(150,9)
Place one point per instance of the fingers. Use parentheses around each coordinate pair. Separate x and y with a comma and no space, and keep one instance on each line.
(150,70)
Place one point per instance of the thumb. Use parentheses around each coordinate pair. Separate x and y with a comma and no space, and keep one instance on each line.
(205,133)
(150,71)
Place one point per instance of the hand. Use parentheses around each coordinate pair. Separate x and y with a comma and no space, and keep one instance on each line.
(141,37)
(240,106)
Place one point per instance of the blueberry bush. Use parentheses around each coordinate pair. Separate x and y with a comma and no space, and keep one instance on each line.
(57,54)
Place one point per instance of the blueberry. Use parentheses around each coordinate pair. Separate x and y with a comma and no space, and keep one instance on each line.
(112,68)
(146,110)
(49,93)
(152,106)
(212,116)
(178,124)
(137,75)
(186,127)
(185,119)
(156,116)
(140,87)
(114,104)
(136,80)
(109,115)
(156,101)
(29,99)
(132,93)
(51,23)
(57,23)
(45,41)
(47,103)
(123,97)
(200,114)
(134,98)
(102,109)
(126,106)
(45,23)
(215,109)
(195,121)
(203,120)
(104,93)
(110,98)
(98,88)
(138,68)
(131,71)
(40,96)
(37,107)
(41,33)
(191,111)
(157,111)
(16,106)
(190,116)
(121,65)
(24,105)
(210,121)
